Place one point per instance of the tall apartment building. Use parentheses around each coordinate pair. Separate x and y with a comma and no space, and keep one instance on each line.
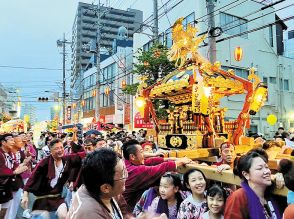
(3,98)
(29,110)
(85,30)
(12,100)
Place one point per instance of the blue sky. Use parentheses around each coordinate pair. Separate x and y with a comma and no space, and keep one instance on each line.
(28,32)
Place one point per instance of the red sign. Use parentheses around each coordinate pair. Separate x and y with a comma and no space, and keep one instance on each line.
(127,112)
(139,122)
(109,118)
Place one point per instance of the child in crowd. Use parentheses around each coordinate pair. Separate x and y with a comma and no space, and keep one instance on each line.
(170,198)
(216,199)
(194,205)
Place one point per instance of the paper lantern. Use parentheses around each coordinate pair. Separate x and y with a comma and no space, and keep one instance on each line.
(238,54)
(123,83)
(74,105)
(107,91)
(258,98)
(94,93)
(157,53)
(271,119)
(83,103)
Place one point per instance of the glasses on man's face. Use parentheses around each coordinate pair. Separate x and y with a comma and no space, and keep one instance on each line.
(124,176)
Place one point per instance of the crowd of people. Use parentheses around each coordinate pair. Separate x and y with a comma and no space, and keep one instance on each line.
(124,175)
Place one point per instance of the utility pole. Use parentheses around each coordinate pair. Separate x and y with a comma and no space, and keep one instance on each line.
(211,25)
(62,43)
(155,23)
(63,81)
(97,107)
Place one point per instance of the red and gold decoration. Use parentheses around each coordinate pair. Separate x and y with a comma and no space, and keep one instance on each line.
(238,53)
(157,53)
(195,90)
(145,63)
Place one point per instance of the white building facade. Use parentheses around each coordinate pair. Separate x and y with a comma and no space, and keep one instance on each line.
(114,72)
(262,48)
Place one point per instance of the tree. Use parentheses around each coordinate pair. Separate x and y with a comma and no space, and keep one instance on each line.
(152,64)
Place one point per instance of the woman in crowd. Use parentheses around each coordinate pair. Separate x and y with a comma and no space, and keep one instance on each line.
(216,198)
(287,169)
(194,205)
(170,198)
(253,200)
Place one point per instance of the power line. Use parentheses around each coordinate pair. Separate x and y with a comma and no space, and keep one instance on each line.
(126,74)
(253,19)
(32,68)
(237,35)
(14,82)
(255,29)
(206,15)
(166,15)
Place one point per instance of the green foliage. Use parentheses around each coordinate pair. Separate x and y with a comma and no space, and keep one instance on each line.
(160,112)
(131,89)
(153,63)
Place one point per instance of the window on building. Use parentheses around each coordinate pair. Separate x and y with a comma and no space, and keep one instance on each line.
(147,46)
(168,38)
(93,79)
(105,100)
(189,20)
(286,84)
(101,100)
(243,73)
(273,80)
(87,82)
(111,98)
(94,102)
(291,34)
(271,37)
(264,79)
(254,128)
(233,25)
(161,39)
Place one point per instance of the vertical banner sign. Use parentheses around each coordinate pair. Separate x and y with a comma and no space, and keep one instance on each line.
(127,114)
(68,113)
